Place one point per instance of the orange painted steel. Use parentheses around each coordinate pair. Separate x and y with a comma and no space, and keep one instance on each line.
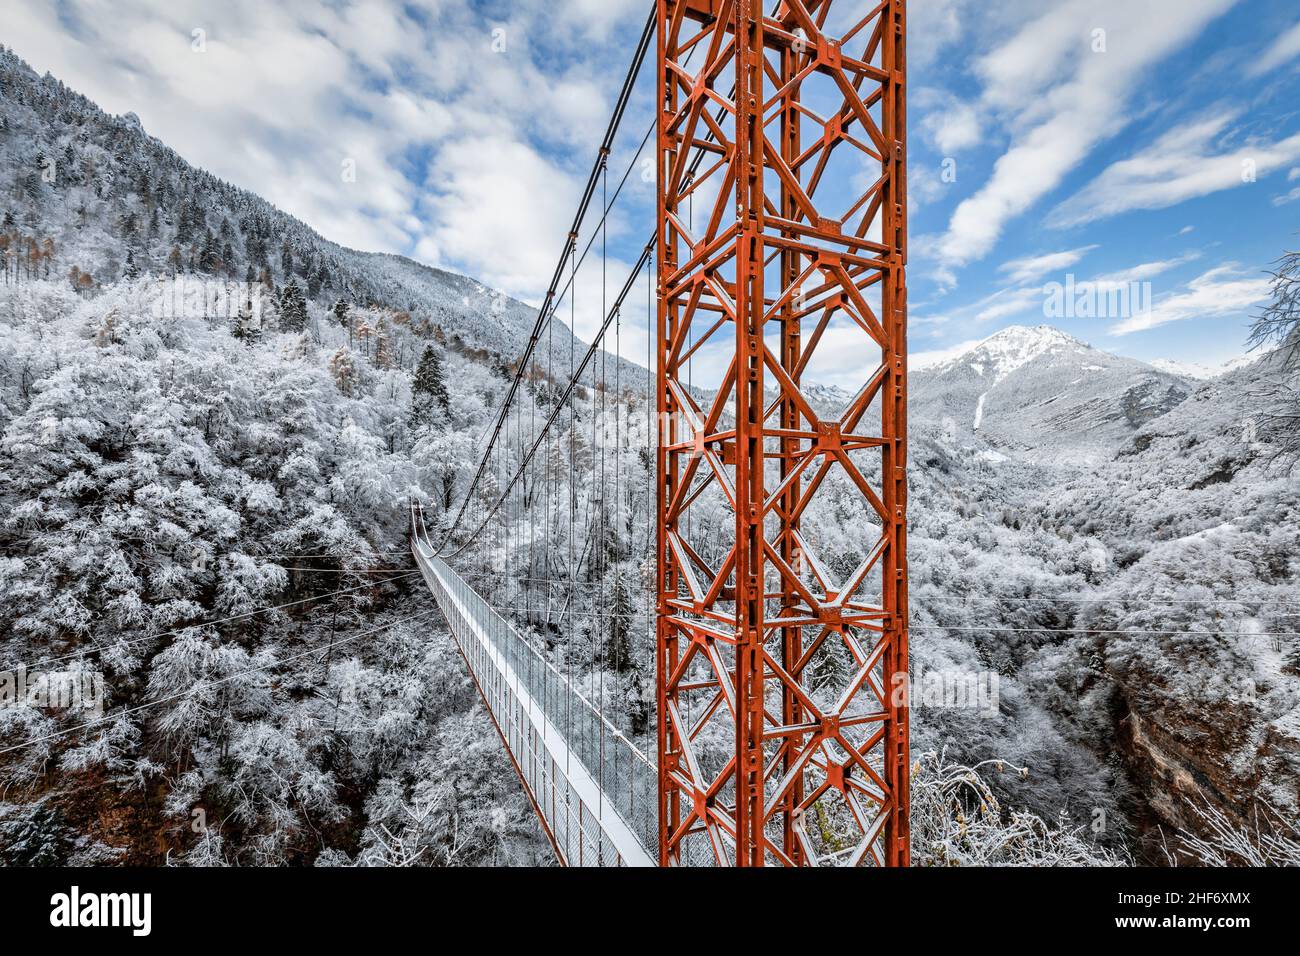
(782,649)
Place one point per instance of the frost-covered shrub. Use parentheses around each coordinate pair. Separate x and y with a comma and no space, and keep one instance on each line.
(957,820)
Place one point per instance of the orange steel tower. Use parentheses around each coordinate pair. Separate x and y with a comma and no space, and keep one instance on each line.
(782,388)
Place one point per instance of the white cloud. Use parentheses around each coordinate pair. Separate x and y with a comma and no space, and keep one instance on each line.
(933,25)
(1186,162)
(1035,267)
(1283,50)
(1222,292)
(933,357)
(1061,99)
(1142,272)
(952,125)
(286,92)
(1009,302)
(924,186)
(491,199)
(1294,194)
(1012,301)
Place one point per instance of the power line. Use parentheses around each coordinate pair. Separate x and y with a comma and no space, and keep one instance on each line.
(206,684)
(341,570)
(570,245)
(82,533)
(225,620)
(1117,600)
(1090,630)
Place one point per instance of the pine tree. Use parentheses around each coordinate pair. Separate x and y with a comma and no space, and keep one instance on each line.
(293,308)
(428,389)
(184,228)
(618,648)
(132,271)
(637,702)
(246,329)
(341,313)
(210,258)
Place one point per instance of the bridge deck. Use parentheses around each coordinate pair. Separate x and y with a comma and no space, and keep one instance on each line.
(592,788)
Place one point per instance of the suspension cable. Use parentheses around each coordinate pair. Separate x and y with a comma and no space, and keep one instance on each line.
(551,301)
(564,397)
(570,246)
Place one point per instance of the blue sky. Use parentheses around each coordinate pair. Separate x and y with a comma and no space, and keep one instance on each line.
(1128,164)
(1164,149)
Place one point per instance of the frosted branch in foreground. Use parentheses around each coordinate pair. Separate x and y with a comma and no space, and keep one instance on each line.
(1266,840)
(957,821)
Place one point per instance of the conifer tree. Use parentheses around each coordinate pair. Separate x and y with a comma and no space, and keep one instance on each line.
(637,701)
(293,308)
(246,329)
(429,390)
(618,647)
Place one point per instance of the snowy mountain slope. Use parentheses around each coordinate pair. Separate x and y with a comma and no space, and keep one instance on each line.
(96,194)
(1200,371)
(1040,391)
(1194,620)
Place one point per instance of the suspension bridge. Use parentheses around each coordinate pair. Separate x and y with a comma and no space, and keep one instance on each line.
(718,505)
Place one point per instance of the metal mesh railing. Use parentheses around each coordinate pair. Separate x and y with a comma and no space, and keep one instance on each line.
(595,791)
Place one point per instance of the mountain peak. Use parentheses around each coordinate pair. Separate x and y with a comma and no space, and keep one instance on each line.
(1012,348)
(1040,391)
(1037,333)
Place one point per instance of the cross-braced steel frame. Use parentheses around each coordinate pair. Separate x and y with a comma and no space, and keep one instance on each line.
(782,650)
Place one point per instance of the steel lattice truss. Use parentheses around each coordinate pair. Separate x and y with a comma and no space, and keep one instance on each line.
(782,651)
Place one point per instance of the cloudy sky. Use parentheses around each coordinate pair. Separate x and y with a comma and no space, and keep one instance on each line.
(1111,141)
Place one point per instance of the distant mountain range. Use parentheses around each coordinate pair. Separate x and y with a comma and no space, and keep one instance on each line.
(1037,391)
(1200,371)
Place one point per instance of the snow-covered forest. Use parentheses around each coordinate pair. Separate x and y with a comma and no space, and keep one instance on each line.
(207,410)
(168,461)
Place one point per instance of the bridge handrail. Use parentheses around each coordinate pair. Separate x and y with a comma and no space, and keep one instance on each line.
(427,549)
(595,791)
